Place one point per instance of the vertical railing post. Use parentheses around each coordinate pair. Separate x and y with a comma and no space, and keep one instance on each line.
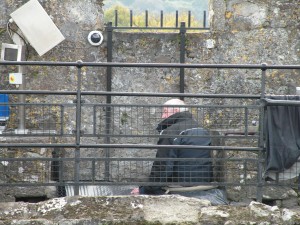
(261,160)
(21,127)
(61,188)
(78,130)
(182,55)
(161,18)
(204,19)
(246,121)
(21,110)
(146,18)
(57,170)
(263,80)
(116,18)
(108,98)
(176,19)
(131,15)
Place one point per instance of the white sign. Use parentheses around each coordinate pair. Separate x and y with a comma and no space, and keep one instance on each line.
(15,78)
(37,26)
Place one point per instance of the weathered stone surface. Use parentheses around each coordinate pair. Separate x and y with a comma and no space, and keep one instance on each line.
(171,209)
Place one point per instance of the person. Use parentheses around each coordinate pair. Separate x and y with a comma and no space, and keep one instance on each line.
(178,127)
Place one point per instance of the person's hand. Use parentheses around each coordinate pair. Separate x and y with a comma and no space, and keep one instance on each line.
(135,191)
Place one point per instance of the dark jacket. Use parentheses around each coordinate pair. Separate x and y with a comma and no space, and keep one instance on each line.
(180,129)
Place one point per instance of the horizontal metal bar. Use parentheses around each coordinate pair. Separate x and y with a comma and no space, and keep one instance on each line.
(7,134)
(40,135)
(56,183)
(158,28)
(44,92)
(40,104)
(187,105)
(223,135)
(45,133)
(140,94)
(272,102)
(43,145)
(157,65)
(68,183)
(123,159)
(172,94)
(143,183)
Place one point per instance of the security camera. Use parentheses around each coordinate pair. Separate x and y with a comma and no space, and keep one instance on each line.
(95,38)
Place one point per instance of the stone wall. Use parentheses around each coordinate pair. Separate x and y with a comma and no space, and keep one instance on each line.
(142,210)
(242,32)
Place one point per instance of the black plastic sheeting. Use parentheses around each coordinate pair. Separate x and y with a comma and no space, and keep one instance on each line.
(282,132)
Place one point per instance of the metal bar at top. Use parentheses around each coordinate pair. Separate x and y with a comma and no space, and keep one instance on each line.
(204,19)
(158,28)
(157,65)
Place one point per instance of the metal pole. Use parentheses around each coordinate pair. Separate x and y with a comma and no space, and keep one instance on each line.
(108,99)
(161,18)
(261,161)
(116,18)
(21,112)
(204,19)
(176,21)
(182,55)
(146,18)
(78,131)
(130,18)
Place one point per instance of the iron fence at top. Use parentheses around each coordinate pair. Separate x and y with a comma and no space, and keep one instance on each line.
(161,26)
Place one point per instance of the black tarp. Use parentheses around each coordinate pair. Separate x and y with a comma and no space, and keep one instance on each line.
(282,132)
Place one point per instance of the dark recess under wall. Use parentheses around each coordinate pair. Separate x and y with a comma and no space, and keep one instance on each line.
(31,199)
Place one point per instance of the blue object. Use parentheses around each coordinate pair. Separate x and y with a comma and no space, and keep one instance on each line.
(4,109)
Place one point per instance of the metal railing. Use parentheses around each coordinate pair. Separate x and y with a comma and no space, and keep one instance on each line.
(161,23)
(116,144)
